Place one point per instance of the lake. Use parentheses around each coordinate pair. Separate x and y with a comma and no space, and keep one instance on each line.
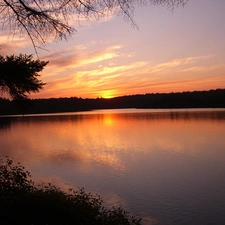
(167,166)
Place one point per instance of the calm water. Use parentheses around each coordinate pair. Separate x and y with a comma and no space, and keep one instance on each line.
(168,166)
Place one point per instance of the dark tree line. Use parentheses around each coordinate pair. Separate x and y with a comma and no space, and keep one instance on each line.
(196,99)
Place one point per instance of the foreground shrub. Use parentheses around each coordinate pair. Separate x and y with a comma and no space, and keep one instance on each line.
(21,202)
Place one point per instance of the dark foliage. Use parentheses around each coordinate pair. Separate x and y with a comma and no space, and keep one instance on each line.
(19,74)
(196,99)
(23,203)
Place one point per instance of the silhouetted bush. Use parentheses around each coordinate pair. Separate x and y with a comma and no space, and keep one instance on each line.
(21,202)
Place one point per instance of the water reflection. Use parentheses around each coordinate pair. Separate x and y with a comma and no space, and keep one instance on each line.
(167,166)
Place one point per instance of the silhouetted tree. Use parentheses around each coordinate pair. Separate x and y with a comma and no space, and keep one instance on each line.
(41,19)
(18,75)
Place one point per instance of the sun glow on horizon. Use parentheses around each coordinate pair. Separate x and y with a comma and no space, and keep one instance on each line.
(107,94)
(108,59)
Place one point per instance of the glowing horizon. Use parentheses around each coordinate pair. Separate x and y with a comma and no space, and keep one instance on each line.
(171,52)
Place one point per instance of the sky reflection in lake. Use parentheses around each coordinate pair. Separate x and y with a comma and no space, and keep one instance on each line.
(166,165)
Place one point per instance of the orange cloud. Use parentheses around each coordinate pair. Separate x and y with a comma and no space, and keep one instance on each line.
(11,45)
(107,72)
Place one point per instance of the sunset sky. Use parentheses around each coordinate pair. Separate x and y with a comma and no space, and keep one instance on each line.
(177,51)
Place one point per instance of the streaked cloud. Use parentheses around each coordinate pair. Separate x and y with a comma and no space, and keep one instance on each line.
(11,45)
(94,75)
(171,52)
(73,58)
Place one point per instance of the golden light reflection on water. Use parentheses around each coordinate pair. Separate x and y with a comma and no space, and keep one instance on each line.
(106,139)
(136,159)
(101,137)
(109,120)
